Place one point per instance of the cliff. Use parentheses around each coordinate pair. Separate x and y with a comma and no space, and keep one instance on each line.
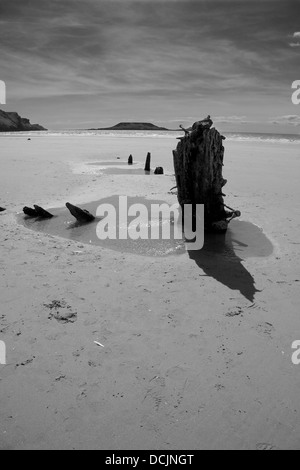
(13,122)
(133,126)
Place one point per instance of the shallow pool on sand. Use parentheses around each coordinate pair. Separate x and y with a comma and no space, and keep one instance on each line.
(242,240)
(65,226)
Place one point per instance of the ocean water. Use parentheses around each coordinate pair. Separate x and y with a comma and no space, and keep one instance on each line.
(231,136)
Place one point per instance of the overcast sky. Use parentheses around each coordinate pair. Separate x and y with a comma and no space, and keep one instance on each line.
(92,63)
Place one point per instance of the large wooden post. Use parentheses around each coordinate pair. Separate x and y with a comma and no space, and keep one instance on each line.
(198,164)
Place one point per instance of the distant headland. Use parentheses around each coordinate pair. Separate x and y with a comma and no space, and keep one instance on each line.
(13,122)
(132,126)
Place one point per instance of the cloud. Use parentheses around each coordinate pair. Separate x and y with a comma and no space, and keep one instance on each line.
(177,55)
(296,35)
(295,44)
(70,48)
(230,119)
(290,119)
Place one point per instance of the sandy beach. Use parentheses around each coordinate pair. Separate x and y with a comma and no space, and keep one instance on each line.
(195,349)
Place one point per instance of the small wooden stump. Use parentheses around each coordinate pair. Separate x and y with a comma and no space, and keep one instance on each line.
(37,212)
(148,162)
(80,214)
(159,170)
(29,211)
(42,212)
(130,160)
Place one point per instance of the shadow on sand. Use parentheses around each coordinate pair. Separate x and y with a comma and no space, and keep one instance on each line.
(222,256)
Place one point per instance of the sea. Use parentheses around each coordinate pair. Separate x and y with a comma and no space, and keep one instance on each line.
(231,136)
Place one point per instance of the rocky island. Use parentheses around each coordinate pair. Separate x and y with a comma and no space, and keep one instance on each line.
(132,126)
(13,122)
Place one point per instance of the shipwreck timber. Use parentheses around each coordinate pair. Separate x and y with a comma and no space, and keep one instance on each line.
(198,164)
(81,215)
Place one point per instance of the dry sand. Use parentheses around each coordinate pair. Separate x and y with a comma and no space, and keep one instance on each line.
(197,349)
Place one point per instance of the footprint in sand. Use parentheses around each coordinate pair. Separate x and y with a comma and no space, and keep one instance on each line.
(156,391)
(82,395)
(264,446)
(176,373)
(61,311)
(235,312)
(266,328)
(78,352)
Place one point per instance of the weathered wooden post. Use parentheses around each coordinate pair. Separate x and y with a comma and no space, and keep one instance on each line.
(37,212)
(42,212)
(148,162)
(198,163)
(82,215)
(130,160)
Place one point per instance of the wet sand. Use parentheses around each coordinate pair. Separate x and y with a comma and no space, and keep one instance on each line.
(197,347)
